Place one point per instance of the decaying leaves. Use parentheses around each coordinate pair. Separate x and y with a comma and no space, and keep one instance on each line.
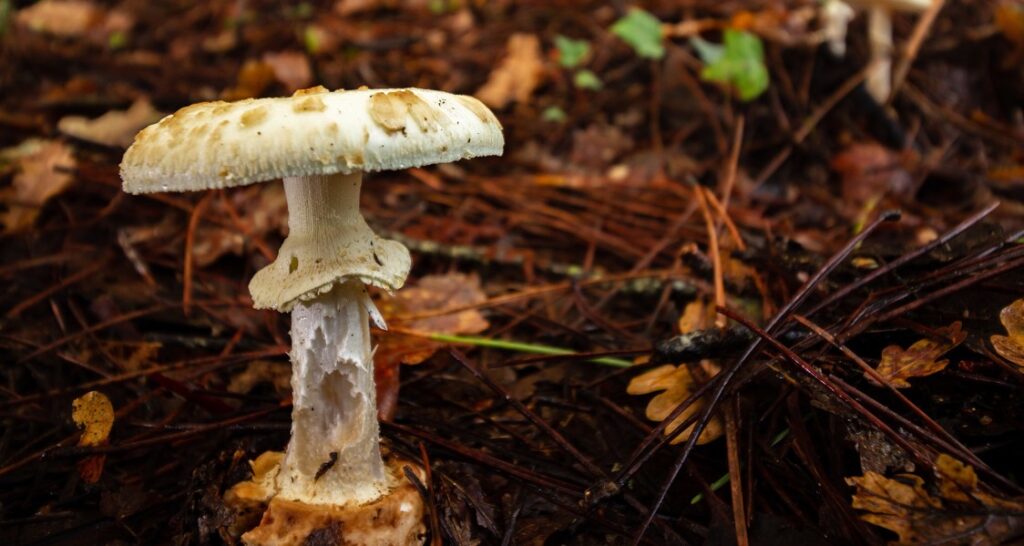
(921,359)
(431,293)
(679,382)
(94,414)
(116,128)
(42,167)
(962,513)
(259,209)
(870,171)
(517,75)
(1011,347)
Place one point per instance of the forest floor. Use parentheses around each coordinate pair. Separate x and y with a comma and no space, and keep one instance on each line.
(739,238)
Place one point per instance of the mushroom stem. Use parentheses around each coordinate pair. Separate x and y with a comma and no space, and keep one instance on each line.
(878,80)
(334,455)
(323,208)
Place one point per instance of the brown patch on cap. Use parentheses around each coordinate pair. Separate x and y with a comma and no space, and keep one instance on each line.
(254,116)
(477,108)
(310,91)
(309,104)
(389,110)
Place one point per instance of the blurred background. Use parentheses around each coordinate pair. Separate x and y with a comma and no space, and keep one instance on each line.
(661,158)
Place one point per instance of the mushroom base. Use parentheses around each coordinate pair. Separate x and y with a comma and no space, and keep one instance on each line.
(396,519)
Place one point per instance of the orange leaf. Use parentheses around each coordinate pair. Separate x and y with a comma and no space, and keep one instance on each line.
(1011,347)
(678,384)
(962,513)
(921,359)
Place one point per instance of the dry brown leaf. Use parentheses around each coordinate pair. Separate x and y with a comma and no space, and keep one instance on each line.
(921,359)
(276,374)
(116,128)
(518,74)
(962,513)
(433,293)
(1008,17)
(42,166)
(73,18)
(132,356)
(94,414)
(291,68)
(678,382)
(869,171)
(253,79)
(261,208)
(1011,347)
(430,293)
(66,18)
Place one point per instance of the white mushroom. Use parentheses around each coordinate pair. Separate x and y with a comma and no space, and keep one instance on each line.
(320,143)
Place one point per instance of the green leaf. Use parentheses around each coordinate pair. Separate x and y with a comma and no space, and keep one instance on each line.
(740,64)
(571,52)
(642,31)
(585,79)
(553,114)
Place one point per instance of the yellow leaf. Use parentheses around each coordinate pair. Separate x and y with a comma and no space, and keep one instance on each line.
(678,384)
(961,513)
(1011,347)
(921,359)
(93,413)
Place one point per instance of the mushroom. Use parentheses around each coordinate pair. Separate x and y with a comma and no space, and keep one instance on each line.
(320,143)
(879,78)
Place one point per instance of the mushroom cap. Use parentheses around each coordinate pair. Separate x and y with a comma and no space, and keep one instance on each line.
(314,132)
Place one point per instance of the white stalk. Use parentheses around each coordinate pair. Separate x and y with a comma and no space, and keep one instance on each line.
(333,456)
(878,82)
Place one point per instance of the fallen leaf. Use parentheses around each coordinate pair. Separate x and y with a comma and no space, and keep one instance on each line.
(962,513)
(1011,347)
(132,356)
(291,68)
(253,78)
(1008,17)
(433,293)
(276,374)
(66,18)
(868,171)
(517,76)
(94,414)
(116,128)
(42,166)
(261,209)
(430,293)
(678,382)
(921,359)
(73,18)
